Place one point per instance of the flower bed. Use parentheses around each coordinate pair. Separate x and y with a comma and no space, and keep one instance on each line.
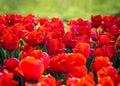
(39,52)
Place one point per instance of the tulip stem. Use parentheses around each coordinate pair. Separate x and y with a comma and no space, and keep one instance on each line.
(1,55)
(21,80)
(89,62)
(9,54)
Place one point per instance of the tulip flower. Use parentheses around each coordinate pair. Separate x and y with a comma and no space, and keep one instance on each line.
(84,81)
(31,68)
(105,81)
(55,47)
(83,48)
(96,20)
(6,79)
(100,62)
(38,54)
(11,64)
(9,42)
(108,51)
(70,39)
(34,38)
(108,71)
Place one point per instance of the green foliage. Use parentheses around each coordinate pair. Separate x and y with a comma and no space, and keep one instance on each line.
(65,9)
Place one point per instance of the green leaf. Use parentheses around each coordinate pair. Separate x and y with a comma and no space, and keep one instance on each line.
(89,62)
(119,70)
(3,55)
(17,53)
(116,60)
(69,50)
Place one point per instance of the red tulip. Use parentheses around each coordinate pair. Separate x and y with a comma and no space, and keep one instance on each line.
(83,39)
(10,19)
(34,38)
(72,22)
(74,60)
(13,19)
(6,79)
(84,30)
(64,63)
(82,48)
(30,19)
(94,34)
(105,81)
(17,27)
(96,20)
(38,54)
(70,39)
(58,25)
(31,68)
(26,50)
(108,71)
(84,23)
(118,23)
(2,29)
(45,80)
(42,21)
(114,31)
(29,27)
(35,84)
(48,80)
(100,62)
(58,64)
(3,20)
(117,82)
(99,52)
(19,30)
(80,27)
(55,47)
(103,40)
(78,72)
(10,42)
(11,64)
(54,28)
(84,81)
(108,51)
(108,21)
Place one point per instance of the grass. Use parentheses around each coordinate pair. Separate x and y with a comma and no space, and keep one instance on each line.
(65,9)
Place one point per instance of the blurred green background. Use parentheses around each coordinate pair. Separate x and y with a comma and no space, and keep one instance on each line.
(65,9)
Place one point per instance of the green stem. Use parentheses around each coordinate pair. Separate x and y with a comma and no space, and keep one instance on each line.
(89,62)
(9,54)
